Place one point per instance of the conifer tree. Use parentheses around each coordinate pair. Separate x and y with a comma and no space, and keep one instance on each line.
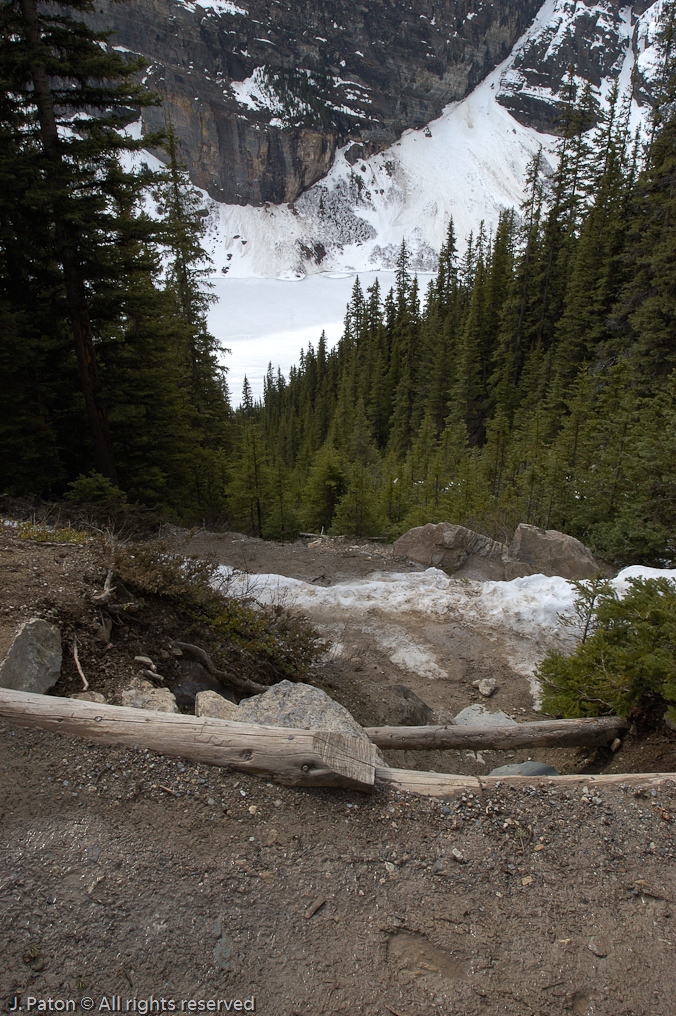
(57,74)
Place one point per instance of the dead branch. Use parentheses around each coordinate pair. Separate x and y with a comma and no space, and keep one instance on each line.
(85,682)
(108,589)
(242,684)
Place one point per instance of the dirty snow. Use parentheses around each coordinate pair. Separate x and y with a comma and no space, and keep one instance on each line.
(524,614)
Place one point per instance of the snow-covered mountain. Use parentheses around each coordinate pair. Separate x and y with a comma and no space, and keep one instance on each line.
(469,163)
(345,180)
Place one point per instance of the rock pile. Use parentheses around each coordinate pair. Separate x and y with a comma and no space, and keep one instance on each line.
(466,554)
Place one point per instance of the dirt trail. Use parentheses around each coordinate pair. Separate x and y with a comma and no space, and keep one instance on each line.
(123,873)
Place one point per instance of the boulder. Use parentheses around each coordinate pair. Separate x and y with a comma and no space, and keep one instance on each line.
(405,708)
(535,551)
(210,703)
(478,716)
(33,662)
(89,696)
(525,769)
(457,550)
(298,705)
(160,700)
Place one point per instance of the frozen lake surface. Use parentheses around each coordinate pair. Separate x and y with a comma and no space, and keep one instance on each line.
(270,320)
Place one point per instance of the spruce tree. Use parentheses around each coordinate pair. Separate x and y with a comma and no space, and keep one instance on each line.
(66,101)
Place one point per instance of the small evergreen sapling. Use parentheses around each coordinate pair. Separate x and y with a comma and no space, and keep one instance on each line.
(627,654)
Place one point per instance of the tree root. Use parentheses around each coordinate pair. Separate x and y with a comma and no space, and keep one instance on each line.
(242,684)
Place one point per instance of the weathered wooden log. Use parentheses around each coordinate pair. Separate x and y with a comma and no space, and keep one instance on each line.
(293,757)
(414,781)
(541,734)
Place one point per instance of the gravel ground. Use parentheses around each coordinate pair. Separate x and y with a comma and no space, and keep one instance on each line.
(123,873)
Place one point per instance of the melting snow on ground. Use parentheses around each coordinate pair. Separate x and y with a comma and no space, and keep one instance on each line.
(525,613)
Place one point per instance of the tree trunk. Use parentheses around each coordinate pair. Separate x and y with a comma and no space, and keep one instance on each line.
(541,734)
(67,252)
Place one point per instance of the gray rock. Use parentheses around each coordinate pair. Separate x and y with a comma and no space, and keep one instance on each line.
(89,696)
(33,662)
(210,703)
(466,554)
(671,724)
(298,705)
(403,708)
(456,549)
(160,700)
(535,551)
(487,686)
(524,769)
(477,715)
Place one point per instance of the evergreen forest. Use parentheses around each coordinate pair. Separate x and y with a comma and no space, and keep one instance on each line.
(533,381)
(110,378)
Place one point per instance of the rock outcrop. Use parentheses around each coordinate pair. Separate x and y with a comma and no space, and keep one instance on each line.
(535,551)
(33,662)
(466,554)
(595,37)
(261,93)
(453,548)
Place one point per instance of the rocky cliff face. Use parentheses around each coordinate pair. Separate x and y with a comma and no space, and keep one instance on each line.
(262,92)
(590,37)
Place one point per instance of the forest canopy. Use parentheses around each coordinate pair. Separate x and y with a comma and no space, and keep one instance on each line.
(532,382)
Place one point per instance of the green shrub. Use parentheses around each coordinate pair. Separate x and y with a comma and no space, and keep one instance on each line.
(627,654)
(96,489)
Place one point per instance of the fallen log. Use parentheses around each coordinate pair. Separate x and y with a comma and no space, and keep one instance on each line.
(414,781)
(293,757)
(541,734)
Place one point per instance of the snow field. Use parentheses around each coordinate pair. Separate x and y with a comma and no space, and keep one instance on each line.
(524,613)
(527,606)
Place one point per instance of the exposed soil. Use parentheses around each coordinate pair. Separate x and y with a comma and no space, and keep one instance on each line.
(125,873)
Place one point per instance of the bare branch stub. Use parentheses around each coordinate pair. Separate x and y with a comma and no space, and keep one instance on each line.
(241,683)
